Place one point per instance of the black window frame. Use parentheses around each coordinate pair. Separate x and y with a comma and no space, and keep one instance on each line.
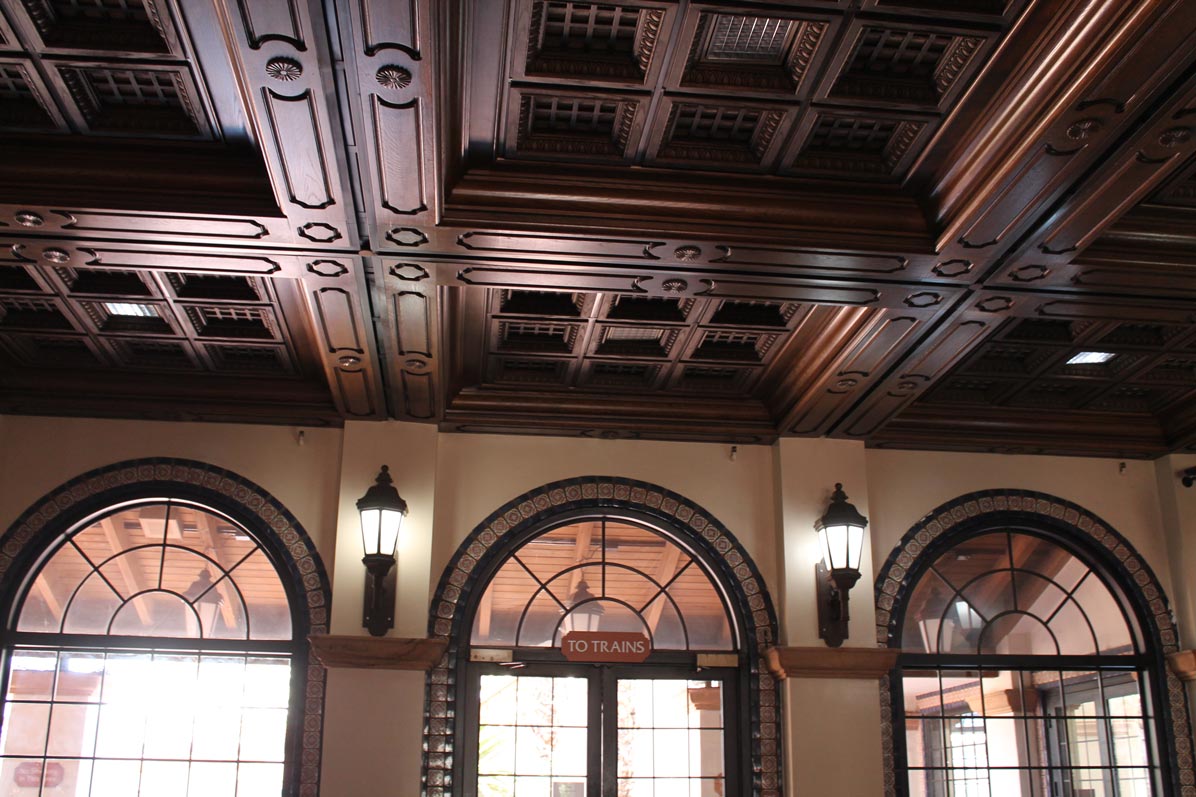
(1146,659)
(18,580)
(662,663)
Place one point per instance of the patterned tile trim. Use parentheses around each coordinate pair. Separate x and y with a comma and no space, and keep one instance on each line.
(460,586)
(247,503)
(1094,537)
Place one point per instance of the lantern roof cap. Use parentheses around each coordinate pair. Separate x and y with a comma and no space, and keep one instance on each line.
(382,494)
(841,513)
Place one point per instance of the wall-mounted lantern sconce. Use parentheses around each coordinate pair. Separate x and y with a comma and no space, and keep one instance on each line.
(382,511)
(841,535)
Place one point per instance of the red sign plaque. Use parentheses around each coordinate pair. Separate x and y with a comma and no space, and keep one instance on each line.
(29,774)
(605,646)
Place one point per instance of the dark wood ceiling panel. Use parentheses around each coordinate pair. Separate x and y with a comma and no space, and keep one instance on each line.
(200,318)
(26,105)
(1048,118)
(392,135)
(75,26)
(600,43)
(906,66)
(777,52)
(899,221)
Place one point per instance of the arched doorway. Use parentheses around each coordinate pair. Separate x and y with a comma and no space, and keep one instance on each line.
(508,711)
(1033,640)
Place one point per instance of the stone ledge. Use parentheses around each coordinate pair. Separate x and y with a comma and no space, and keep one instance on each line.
(830,662)
(377,653)
(1183,664)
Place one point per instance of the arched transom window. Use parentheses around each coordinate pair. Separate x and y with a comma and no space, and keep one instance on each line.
(151,654)
(1023,673)
(610,573)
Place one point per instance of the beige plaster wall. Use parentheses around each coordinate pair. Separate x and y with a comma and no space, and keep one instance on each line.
(903,486)
(807,471)
(410,451)
(39,454)
(378,718)
(1178,507)
(477,474)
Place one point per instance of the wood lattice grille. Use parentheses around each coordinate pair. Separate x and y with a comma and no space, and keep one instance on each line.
(589,27)
(748,39)
(13,85)
(32,314)
(231,322)
(898,53)
(574,116)
(840,133)
(119,10)
(700,123)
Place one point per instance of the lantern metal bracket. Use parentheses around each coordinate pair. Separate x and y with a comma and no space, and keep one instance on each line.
(378,603)
(833,586)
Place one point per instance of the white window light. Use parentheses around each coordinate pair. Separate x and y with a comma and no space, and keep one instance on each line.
(1091,358)
(129,309)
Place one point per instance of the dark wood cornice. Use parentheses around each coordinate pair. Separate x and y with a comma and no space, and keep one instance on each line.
(1071,77)
(67,172)
(863,216)
(1149,226)
(611,416)
(824,662)
(1028,431)
(377,653)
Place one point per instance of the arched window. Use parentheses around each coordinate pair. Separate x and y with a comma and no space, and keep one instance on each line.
(1026,665)
(606,649)
(610,573)
(154,647)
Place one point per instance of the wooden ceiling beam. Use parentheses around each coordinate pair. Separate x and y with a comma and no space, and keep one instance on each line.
(1070,80)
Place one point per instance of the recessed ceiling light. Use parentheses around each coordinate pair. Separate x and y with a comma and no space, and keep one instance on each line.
(1091,358)
(130,309)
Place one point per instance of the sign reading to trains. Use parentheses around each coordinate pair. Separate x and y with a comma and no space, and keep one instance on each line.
(605,646)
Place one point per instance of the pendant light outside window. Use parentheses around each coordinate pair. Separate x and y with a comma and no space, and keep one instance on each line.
(588,615)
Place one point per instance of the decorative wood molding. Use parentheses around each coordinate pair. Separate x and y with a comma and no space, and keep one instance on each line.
(1183,664)
(377,653)
(830,662)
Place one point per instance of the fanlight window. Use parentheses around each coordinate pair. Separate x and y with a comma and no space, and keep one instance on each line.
(1010,593)
(1022,674)
(152,655)
(608,575)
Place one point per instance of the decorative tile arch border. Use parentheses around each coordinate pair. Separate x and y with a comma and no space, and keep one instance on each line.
(288,546)
(1093,537)
(461,586)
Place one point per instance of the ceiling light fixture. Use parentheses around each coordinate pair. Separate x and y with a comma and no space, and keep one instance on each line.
(131,309)
(1091,357)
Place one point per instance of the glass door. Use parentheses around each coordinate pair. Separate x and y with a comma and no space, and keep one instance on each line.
(600,731)
(533,735)
(669,738)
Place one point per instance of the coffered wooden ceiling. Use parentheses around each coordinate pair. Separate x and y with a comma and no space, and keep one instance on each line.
(887,220)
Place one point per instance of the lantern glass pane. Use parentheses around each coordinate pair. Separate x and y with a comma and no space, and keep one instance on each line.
(371,520)
(392,521)
(836,546)
(855,546)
